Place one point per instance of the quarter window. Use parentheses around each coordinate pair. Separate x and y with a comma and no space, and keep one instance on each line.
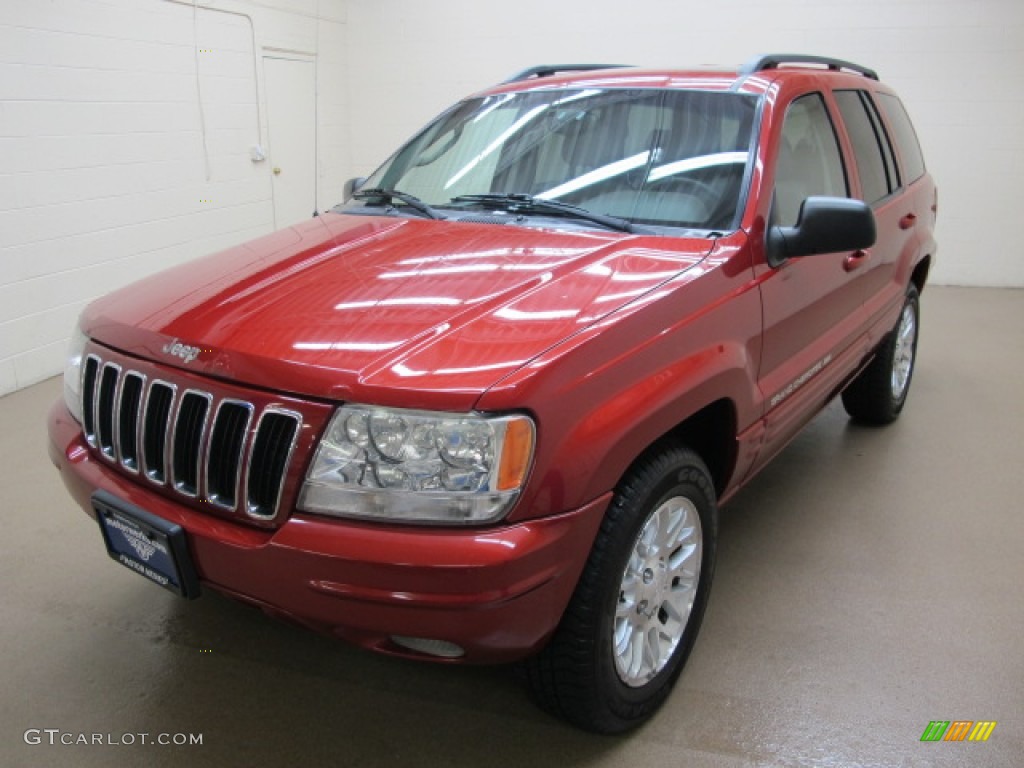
(809,161)
(874,164)
(906,138)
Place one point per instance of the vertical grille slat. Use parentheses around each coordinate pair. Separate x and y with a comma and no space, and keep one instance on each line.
(227,444)
(271,452)
(105,409)
(92,365)
(128,419)
(233,453)
(154,430)
(188,439)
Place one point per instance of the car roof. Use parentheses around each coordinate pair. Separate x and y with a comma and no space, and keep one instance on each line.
(752,77)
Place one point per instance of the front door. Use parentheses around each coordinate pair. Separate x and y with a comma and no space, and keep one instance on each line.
(813,310)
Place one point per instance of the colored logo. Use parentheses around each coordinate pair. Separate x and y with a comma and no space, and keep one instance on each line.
(958,730)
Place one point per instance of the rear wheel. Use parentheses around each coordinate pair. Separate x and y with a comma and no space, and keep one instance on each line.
(638,606)
(879,393)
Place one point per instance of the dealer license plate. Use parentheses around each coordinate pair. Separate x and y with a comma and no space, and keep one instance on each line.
(146,544)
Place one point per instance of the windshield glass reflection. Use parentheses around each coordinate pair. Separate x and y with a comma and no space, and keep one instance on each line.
(649,156)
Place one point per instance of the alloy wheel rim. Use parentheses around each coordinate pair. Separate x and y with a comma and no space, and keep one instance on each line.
(657,591)
(903,355)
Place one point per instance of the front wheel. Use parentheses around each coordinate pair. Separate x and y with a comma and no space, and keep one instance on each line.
(879,392)
(638,606)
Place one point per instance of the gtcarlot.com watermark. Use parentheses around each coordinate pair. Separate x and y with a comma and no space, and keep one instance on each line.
(57,737)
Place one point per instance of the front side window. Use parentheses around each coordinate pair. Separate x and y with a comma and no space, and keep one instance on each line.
(809,162)
(650,157)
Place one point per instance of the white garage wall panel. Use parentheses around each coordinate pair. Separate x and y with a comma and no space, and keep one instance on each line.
(105,175)
(110,171)
(956,64)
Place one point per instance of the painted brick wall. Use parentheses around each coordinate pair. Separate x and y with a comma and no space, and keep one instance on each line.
(103,173)
(956,64)
(104,176)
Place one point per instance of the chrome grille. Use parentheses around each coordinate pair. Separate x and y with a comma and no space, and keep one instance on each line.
(227,446)
(271,451)
(92,365)
(156,427)
(189,430)
(191,441)
(105,409)
(128,419)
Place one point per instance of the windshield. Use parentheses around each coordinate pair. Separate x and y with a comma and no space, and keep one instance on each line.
(650,157)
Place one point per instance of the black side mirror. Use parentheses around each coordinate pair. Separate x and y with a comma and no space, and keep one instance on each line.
(825,225)
(352,186)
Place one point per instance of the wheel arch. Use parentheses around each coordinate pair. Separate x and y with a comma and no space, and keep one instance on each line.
(710,432)
(920,274)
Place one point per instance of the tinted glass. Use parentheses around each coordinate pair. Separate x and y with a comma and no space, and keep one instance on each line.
(809,161)
(888,154)
(906,138)
(673,158)
(867,147)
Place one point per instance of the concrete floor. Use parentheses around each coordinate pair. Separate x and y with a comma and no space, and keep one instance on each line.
(868,582)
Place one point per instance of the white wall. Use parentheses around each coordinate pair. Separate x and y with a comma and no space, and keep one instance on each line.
(957,65)
(103,171)
(102,168)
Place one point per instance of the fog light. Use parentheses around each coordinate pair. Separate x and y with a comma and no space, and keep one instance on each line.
(440,648)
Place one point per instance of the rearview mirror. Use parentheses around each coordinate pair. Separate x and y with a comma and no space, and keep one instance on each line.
(825,225)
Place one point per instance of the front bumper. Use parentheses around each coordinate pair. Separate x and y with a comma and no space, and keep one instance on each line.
(496,593)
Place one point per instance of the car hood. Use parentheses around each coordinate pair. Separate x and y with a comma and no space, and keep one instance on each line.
(387,310)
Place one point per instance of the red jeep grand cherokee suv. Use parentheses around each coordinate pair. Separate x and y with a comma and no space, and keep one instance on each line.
(486,409)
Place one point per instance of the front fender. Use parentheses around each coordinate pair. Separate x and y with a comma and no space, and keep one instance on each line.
(602,397)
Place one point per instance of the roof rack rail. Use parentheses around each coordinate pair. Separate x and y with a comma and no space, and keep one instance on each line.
(547,70)
(774,60)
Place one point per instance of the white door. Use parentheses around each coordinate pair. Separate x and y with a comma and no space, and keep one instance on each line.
(291,120)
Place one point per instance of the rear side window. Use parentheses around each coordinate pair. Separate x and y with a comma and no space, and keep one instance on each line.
(906,138)
(809,160)
(871,149)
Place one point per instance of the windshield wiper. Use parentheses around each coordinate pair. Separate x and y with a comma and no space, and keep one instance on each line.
(393,194)
(515,202)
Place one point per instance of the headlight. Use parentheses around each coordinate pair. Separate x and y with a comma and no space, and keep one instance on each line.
(73,373)
(418,466)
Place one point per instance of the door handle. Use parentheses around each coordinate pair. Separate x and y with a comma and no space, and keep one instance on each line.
(908,221)
(277,171)
(855,260)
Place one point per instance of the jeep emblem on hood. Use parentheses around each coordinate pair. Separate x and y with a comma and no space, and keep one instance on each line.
(184,351)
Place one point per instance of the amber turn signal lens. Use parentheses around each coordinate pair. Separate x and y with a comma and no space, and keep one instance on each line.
(516,453)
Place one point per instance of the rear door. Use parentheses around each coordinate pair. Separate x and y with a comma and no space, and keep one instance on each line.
(880,186)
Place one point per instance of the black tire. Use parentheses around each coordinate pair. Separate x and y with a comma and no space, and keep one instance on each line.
(577,676)
(879,392)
